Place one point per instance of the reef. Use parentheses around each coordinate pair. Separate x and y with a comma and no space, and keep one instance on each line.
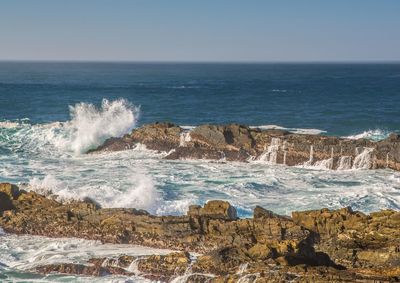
(241,143)
(310,246)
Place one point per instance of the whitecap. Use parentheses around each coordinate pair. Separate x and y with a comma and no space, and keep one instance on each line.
(139,192)
(9,124)
(88,128)
(91,126)
(375,135)
(292,130)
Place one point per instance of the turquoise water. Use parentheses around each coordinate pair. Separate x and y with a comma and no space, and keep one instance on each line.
(51,113)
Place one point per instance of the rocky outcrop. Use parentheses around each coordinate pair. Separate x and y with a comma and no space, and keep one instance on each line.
(240,143)
(355,239)
(311,246)
(226,266)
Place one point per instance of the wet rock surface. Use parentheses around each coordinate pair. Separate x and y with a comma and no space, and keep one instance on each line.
(311,246)
(240,143)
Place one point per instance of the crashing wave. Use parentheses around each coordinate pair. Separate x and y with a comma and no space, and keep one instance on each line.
(141,192)
(271,154)
(375,135)
(184,138)
(364,159)
(88,128)
(91,126)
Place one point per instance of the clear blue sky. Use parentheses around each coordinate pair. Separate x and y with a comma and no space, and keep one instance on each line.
(201,30)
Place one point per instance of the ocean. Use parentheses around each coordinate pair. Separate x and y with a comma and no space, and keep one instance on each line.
(51,113)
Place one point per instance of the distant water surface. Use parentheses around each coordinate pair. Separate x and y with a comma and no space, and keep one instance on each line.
(342,99)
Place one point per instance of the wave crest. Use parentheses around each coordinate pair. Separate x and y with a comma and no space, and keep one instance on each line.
(375,135)
(91,126)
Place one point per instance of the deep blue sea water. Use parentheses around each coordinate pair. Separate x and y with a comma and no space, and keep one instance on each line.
(342,99)
(51,113)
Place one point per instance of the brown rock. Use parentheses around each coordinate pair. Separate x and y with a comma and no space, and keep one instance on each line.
(214,209)
(240,143)
(327,240)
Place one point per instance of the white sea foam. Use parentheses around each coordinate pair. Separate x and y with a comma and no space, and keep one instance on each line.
(345,163)
(91,126)
(179,206)
(140,178)
(88,128)
(364,159)
(27,252)
(292,130)
(9,124)
(375,135)
(184,138)
(141,193)
(275,127)
(270,155)
(188,127)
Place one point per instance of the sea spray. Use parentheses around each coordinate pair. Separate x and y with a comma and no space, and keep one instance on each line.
(139,192)
(374,135)
(88,128)
(48,185)
(91,126)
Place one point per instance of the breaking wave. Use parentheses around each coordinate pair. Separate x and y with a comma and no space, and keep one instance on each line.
(375,135)
(88,128)
(91,126)
(141,192)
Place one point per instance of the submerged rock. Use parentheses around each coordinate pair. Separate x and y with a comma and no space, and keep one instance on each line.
(311,246)
(240,143)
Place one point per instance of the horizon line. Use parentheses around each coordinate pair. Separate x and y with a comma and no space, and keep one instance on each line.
(201,61)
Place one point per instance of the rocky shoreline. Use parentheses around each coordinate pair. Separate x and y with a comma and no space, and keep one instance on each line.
(241,143)
(310,246)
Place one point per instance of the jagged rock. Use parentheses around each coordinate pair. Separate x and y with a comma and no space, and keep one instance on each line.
(214,209)
(81,269)
(221,137)
(354,239)
(240,143)
(368,246)
(158,136)
(260,212)
(225,265)
(222,261)
(10,190)
(7,194)
(173,264)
